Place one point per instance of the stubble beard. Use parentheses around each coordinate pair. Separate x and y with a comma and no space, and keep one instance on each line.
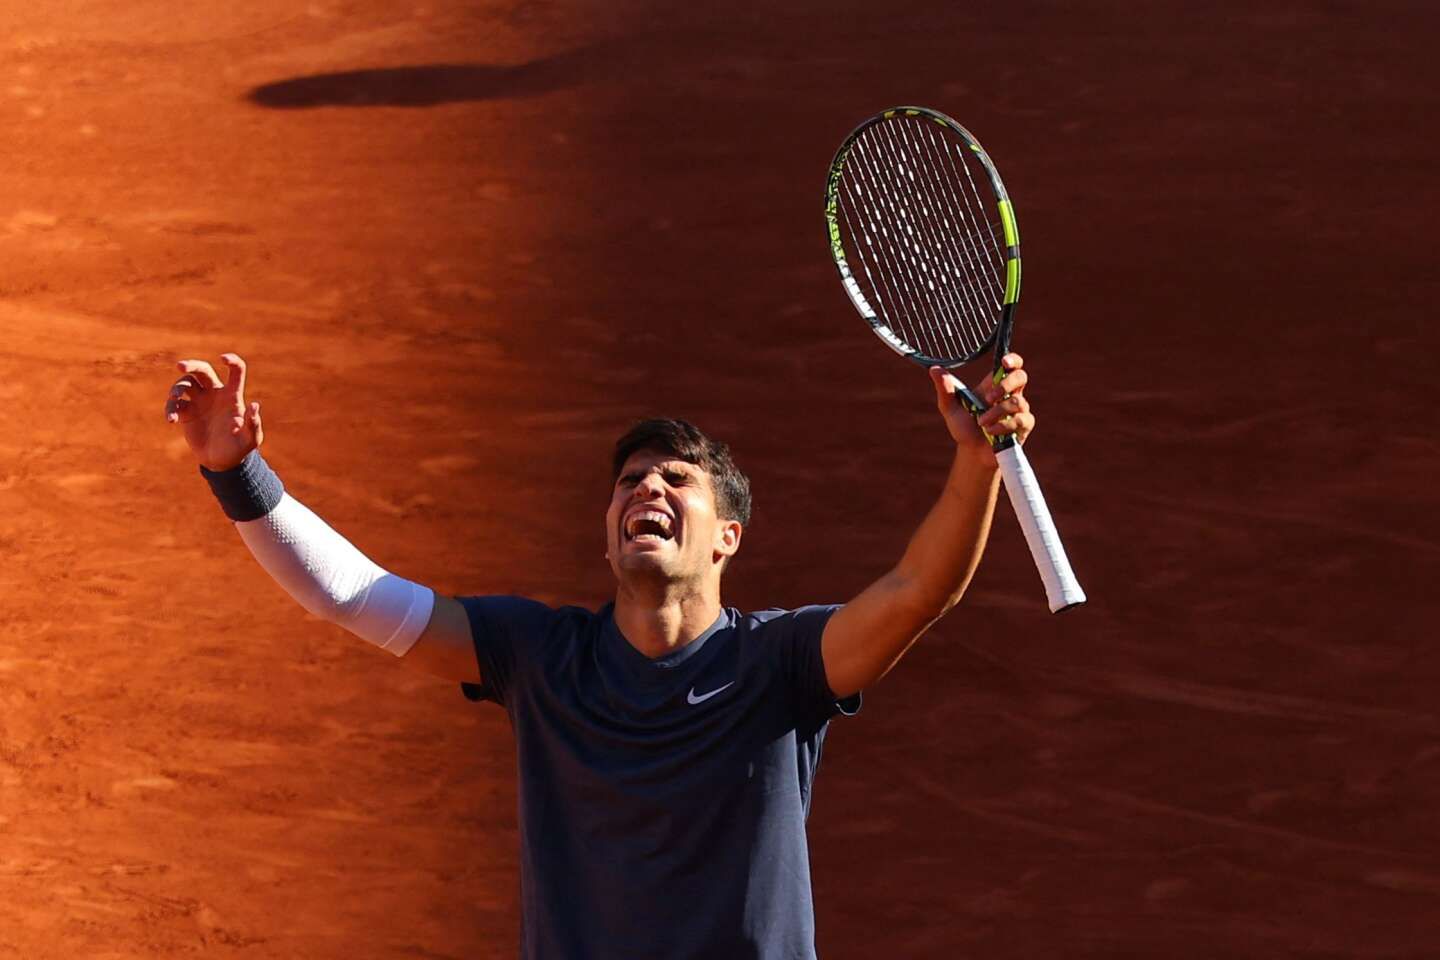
(659,577)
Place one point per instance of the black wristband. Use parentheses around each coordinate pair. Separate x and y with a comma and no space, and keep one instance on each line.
(246,491)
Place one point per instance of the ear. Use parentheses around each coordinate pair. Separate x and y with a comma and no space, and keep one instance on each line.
(727,538)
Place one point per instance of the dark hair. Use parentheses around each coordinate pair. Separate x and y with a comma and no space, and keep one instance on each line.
(683,440)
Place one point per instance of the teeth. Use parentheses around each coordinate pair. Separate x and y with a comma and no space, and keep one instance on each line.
(662,521)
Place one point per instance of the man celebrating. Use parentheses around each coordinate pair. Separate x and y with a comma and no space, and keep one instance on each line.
(666,744)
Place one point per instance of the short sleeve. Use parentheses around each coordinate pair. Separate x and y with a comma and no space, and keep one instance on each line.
(502,629)
(803,666)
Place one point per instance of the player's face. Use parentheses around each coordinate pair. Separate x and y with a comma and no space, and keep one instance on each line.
(662,520)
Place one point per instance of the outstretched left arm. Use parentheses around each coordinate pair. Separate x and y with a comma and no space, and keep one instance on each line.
(869,635)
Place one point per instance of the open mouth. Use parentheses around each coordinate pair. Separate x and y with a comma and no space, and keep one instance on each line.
(649,526)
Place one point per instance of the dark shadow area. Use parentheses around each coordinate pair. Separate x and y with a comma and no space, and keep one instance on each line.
(428,86)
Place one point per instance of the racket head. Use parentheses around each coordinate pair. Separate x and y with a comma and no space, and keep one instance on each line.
(923,233)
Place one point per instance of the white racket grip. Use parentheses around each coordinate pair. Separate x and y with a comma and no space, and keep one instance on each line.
(1061,587)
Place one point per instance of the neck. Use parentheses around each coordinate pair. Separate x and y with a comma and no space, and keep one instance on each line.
(660,620)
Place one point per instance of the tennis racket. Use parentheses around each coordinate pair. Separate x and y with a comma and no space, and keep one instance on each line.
(917,203)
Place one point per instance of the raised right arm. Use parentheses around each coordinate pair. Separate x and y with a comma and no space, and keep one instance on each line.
(320,569)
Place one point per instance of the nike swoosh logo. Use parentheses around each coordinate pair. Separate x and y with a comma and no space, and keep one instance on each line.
(692,699)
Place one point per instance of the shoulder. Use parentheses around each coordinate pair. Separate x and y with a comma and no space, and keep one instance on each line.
(524,615)
(497,609)
(781,615)
(775,620)
(512,634)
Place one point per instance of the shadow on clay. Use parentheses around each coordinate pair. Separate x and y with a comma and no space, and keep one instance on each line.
(428,86)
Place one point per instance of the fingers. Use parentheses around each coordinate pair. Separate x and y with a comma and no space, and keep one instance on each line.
(951,394)
(1010,378)
(197,376)
(1013,382)
(1009,415)
(203,373)
(1008,411)
(1005,407)
(945,387)
(236,386)
(252,420)
(182,395)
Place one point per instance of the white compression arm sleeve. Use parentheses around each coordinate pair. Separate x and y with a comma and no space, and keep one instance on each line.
(328,576)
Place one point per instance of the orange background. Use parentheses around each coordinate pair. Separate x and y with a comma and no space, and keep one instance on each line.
(457,282)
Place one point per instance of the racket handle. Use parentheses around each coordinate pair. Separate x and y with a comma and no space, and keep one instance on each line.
(1061,587)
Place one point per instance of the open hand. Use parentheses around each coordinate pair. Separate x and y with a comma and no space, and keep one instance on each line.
(219,427)
(1008,411)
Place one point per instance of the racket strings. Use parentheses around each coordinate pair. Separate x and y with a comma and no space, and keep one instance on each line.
(973,217)
(963,263)
(889,278)
(943,316)
(965,298)
(931,262)
(901,257)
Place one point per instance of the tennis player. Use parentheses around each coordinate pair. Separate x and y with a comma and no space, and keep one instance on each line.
(666,744)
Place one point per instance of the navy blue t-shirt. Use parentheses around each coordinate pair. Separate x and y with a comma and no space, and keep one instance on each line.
(662,802)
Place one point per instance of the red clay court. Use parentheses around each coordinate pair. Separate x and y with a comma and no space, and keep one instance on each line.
(463,245)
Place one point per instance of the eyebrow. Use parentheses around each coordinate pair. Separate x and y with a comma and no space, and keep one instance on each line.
(664,466)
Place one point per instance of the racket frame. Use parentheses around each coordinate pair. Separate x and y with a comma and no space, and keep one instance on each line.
(999,339)
(1062,590)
